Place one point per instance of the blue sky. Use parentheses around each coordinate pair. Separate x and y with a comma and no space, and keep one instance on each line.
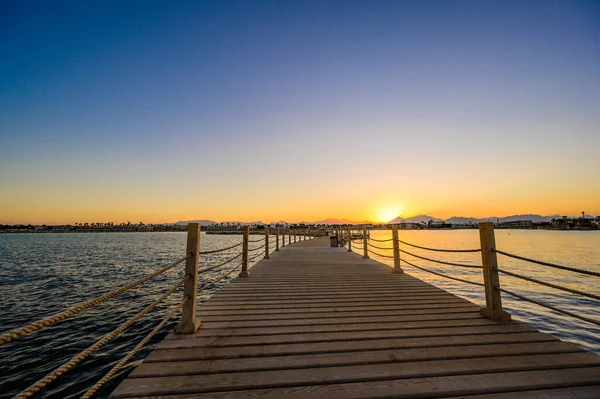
(147,98)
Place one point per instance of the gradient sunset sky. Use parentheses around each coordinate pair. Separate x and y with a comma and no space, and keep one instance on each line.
(297,110)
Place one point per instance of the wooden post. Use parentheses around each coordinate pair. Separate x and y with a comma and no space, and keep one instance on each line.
(295,234)
(349,240)
(189,324)
(365,244)
(290,237)
(244,272)
(282,237)
(267,242)
(397,267)
(277,239)
(493,300)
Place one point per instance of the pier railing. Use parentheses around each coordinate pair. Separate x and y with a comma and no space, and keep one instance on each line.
(241,255)
(362,243)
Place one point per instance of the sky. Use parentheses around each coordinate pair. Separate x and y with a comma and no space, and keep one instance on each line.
(297,110)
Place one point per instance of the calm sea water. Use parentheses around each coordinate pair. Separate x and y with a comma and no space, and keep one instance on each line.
(580,249)
(41,274)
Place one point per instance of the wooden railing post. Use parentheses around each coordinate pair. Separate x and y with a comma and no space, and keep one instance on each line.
(244,272)
(277,239)
(365,244)
(282,237)
(493,299)
(289,236)
(349,240)
(189,323)
(295,234)
(267,242)
(397,266)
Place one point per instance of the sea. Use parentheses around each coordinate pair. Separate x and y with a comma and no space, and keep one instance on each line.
(42,274)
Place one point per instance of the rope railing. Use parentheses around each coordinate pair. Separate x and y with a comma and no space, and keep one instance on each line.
(206,269)
(207,286)
(382,248)
(214,251)
(48,321)
(90,392)
(37,386)
(441,261)
(555,286)
(378,254)
(539,262)
(257,248)
(256,256)
(439,249)
(260,239)
(551,307)
(376,240)
(442,275)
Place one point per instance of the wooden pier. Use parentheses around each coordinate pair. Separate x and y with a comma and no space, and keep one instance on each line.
(320,322)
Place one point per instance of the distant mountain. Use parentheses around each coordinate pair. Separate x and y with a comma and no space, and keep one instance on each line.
(340,221)
(462,220)
(414,219)
(202,222)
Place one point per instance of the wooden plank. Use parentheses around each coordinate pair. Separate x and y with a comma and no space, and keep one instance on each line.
(432,387)
(357,373)
(339,308)
(150,369)
(240,321)
(324,303)
(584,392)
(195,342)
(335,313)
(338,328)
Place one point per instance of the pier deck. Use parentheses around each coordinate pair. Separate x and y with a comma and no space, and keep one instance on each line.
(320,322)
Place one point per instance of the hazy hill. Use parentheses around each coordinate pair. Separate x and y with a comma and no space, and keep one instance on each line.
(414,219)
(340,221)
(202,222)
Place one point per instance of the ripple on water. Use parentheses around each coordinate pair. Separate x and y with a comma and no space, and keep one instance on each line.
(42,274)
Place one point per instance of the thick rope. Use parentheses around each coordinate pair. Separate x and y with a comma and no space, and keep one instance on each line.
(256,256)
(219,279)
(214,251)
(442,275)
(90,392)
(37,325)
(373,239)
(438,249)
(545,305)
(32,389)
(558,287)
(260,239)
(257,248)
(219,265)
(382,248)
(383,256)
(539,262)
(441,261)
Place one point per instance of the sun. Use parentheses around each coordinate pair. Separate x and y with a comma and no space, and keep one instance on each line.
(388,213)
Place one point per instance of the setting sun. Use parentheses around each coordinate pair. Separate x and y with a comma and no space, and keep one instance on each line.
(389,213)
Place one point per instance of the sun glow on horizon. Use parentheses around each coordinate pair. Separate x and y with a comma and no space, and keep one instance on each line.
(385,214)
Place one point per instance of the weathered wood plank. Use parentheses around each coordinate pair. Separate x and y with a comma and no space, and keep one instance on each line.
(150,369)
(195,342)
(339,328)
(335,313)
(343,346)
(356,373)
(431,387)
